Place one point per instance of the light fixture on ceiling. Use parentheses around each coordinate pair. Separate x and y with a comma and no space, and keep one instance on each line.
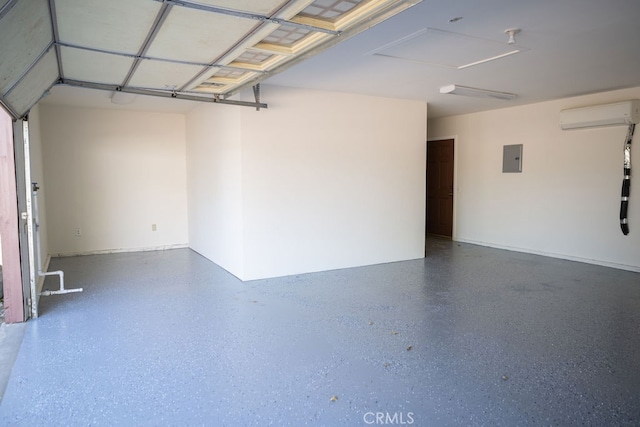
(511,32)
(122,98)
(472,91)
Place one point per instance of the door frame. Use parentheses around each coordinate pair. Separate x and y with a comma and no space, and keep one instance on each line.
(456,190)
(13,281)
(24,189)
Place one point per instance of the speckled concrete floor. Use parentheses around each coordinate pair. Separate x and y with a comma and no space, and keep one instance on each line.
(467,336)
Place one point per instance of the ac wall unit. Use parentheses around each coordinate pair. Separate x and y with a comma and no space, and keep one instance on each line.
(619,113)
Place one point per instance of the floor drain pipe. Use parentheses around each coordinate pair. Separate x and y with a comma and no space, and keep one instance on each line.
(59,273)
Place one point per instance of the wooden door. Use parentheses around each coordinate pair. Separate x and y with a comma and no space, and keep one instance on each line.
(440,187)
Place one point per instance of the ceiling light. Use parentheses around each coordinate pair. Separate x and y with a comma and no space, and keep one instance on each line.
(122,98)
(472,91)
(511,32)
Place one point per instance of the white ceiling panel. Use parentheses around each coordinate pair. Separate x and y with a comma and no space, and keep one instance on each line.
(265,7)
(94,67)
(432,46)
(114,25)
(25,32)
(163,75)
(196,36)
(31,88)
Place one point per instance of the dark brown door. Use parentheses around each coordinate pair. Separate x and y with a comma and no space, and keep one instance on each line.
(440,187)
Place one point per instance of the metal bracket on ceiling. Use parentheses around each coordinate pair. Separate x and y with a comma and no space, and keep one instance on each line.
(256,94)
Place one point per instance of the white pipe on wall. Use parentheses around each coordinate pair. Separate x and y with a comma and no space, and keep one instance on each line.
(41,273)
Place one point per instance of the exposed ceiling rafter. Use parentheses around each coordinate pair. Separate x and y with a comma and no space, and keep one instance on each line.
(56,36)
(145,57)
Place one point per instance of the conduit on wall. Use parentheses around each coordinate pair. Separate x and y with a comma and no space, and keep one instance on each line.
(626,182)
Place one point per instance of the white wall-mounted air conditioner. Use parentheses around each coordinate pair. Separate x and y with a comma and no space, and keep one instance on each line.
(619,113)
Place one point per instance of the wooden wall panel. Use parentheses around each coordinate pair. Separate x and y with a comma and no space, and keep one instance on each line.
(12,277)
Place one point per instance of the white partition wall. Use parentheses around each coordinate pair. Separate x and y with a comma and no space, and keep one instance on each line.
(214,176)
(332,180)
(326,180)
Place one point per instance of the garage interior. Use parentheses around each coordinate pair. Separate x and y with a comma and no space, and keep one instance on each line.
(236,198)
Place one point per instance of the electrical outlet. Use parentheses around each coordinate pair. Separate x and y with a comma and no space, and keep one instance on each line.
(153,227)
(78,232)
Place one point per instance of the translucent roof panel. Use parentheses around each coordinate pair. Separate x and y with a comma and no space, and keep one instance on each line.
(287,35)
(254,57)
(262,7)
(330,10)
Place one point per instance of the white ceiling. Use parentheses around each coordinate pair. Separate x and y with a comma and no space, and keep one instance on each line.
(567,48)
(574,47)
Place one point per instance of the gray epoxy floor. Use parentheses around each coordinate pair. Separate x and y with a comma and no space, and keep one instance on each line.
(467,336)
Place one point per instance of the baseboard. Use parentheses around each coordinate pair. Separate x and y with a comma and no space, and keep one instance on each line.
(125,250)
(553,255)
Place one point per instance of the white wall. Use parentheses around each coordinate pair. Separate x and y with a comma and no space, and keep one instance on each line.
(113,174)
(214,176)
(326,181)
(566,201)
(330,181)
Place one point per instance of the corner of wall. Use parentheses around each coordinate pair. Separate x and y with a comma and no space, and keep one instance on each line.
(214,185)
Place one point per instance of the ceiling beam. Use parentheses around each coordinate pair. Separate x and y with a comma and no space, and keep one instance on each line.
(151,58)
(160,93)
(56,37)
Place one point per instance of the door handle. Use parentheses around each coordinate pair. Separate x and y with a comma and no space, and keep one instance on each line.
(451,194)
